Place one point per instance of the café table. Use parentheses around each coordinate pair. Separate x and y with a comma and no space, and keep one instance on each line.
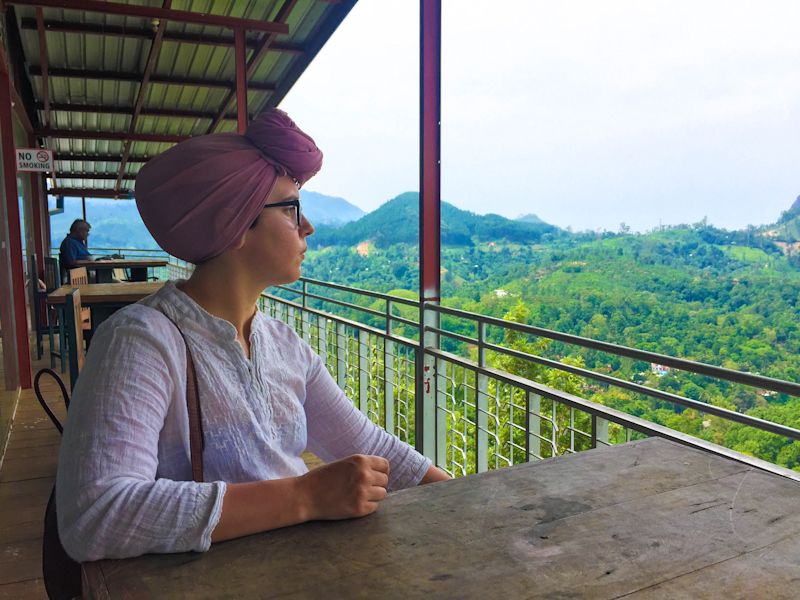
(103,298)
(643,520)
(105,268)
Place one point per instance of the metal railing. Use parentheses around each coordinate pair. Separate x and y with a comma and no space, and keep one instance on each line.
(478,416)
(452,401)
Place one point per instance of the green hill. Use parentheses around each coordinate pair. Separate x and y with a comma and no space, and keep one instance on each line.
(397,222)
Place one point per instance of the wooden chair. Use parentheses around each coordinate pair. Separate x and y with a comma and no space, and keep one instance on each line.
(52,281)
(74,322)
(38,307)
(62,575)
(80,276)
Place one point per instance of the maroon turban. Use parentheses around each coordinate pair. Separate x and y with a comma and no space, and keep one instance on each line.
(199,197)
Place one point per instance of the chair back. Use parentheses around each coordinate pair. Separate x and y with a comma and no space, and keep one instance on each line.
(74,323)
(80,276)
(62,575)
(52,274)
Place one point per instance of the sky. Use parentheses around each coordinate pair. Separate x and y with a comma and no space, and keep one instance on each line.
(588,114)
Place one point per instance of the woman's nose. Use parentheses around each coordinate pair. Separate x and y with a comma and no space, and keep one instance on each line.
(306,227)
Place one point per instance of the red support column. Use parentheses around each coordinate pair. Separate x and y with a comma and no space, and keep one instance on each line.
(39,204)
(47,232)
(427,439)
(14,234)
(240,57)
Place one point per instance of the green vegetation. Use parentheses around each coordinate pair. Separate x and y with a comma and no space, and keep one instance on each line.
(697,292)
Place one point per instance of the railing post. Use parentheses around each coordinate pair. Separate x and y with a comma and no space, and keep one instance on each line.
(305,325)
(481,406)
(363,371)
(425,394)
(341,355)
(533,426)
(389,385)
(442,415)
(429,221)
(322,328)
(599,431)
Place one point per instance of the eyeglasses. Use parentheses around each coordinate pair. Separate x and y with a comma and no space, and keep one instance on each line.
(293,203)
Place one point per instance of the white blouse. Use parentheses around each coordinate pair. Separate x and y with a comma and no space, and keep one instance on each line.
(124,484)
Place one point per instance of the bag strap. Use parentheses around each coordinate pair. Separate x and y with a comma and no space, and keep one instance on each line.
(196,438)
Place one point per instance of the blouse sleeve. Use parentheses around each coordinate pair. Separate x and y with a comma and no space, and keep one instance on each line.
(110,502)
(336,429)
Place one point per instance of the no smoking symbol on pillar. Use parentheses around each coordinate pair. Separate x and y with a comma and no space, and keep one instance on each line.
(42,156)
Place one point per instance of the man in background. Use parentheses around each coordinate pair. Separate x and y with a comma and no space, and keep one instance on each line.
(73,248)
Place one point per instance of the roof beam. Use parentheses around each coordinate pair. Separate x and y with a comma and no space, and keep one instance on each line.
(152,56)
(137,77)
(148,12)
(74,134)
(99,157)
(145,33)
(89,192)
(126,110)
(255,59)
(43,64)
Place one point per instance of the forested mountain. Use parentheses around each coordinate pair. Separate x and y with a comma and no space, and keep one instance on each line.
(730,298)
(397,222)
(116,223)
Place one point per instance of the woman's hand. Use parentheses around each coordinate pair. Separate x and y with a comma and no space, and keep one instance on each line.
(351,487)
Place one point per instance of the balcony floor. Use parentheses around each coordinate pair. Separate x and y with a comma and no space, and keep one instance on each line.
(26,478)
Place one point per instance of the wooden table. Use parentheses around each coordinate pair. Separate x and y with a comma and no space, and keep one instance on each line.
(649,519)
(105,268)
(103,298)
(93,294)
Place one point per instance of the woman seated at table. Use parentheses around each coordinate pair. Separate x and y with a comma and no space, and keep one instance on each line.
(228,203)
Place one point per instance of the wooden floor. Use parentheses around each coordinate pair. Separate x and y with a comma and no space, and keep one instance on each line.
(26,478)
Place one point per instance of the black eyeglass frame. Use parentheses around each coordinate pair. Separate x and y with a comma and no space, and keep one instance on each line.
(295,203)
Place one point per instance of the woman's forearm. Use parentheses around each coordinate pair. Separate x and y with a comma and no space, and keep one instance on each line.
(347,488)
(249,508)
(434,474)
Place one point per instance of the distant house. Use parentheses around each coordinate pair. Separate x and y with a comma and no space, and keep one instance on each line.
(659,370)
(500,293)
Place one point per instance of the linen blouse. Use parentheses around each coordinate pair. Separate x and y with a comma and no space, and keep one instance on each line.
(124,484)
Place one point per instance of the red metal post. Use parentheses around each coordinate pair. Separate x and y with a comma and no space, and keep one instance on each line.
(39,203)
(429,220)
(14,234)
(240,58)
(47,232)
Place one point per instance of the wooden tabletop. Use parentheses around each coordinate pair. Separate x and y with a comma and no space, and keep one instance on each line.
(107,293)
(649,519)
(122,263)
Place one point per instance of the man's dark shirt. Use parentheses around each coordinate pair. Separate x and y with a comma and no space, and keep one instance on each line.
(72,250)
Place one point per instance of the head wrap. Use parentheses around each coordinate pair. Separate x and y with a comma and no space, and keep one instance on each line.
(199,197)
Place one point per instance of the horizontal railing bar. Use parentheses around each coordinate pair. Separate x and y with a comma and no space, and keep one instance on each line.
(321,313)
(456,336)
(777,385)
(369,311)
(616,416)
(286,288)
(354,290)
(710,409)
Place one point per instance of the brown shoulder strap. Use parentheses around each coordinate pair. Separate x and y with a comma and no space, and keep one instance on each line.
(196,439)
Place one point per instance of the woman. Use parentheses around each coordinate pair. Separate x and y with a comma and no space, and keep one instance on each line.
(229,204)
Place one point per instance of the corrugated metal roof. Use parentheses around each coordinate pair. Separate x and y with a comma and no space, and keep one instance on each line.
(95,63)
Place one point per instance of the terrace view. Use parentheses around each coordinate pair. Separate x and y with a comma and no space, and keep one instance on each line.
(484,341)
